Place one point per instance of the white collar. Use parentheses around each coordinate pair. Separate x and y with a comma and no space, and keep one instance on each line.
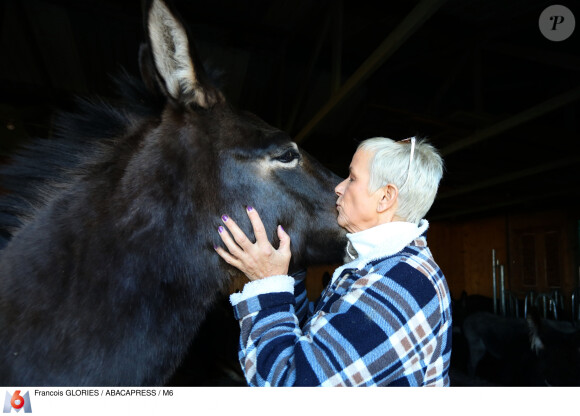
(384,239)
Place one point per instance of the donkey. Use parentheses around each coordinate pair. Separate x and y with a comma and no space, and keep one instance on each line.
(109,265)
(523,352)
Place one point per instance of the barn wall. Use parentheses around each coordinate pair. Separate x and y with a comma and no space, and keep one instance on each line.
(542,248)
(463,250)
(538,251)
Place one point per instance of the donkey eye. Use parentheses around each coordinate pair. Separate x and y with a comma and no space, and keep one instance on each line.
(288,156)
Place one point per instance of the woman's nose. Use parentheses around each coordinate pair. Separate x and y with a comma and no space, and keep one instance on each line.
(339,188)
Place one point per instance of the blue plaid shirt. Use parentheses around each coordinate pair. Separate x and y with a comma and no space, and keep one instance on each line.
(382,321)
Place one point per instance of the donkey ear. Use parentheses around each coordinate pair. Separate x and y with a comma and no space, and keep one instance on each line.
(180,73)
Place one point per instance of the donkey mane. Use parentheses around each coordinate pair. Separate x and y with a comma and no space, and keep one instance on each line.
(43,166)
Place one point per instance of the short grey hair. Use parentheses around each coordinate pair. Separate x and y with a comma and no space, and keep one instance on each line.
(418,185)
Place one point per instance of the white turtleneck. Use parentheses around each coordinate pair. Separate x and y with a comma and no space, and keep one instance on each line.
(384,239)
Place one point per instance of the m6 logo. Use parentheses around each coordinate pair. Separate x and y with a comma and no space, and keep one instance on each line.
(17,402)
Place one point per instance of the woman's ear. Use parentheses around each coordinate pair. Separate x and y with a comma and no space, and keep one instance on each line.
(387,197)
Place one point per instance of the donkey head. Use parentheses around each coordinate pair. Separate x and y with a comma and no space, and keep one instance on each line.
(217,160)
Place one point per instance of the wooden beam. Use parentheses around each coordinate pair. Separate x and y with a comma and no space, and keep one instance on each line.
(510,177)
(336,66)
(511,122)
(501,204)
(477,71)
(450,79)
(421,118)
(308,75)
(542,56)
(414,20)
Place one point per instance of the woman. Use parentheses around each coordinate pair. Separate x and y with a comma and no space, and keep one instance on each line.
(385,317)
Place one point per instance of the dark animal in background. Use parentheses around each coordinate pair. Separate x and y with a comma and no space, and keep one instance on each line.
(522,352)
(109,268)
(557,347)
(467,305)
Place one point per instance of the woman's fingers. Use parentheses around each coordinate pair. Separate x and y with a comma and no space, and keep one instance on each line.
(284,241)
(239,236)
(236,255)
(257,225)
(256,260)
(228,257)
(232,246)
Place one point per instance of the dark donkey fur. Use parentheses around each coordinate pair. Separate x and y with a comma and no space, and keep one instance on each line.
(110,267)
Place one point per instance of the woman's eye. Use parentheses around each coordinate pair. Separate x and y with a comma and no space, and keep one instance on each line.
(288,156)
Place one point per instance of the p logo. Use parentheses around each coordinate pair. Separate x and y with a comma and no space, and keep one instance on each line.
(17,402)
(557,23)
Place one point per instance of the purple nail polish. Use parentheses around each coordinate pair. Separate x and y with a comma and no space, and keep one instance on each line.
(282,228)
(220,229)
(224,218)
(249,208)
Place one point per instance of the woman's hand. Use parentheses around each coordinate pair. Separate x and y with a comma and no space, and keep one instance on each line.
(256,260)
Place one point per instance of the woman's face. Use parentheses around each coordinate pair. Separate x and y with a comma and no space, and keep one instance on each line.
(357,209)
